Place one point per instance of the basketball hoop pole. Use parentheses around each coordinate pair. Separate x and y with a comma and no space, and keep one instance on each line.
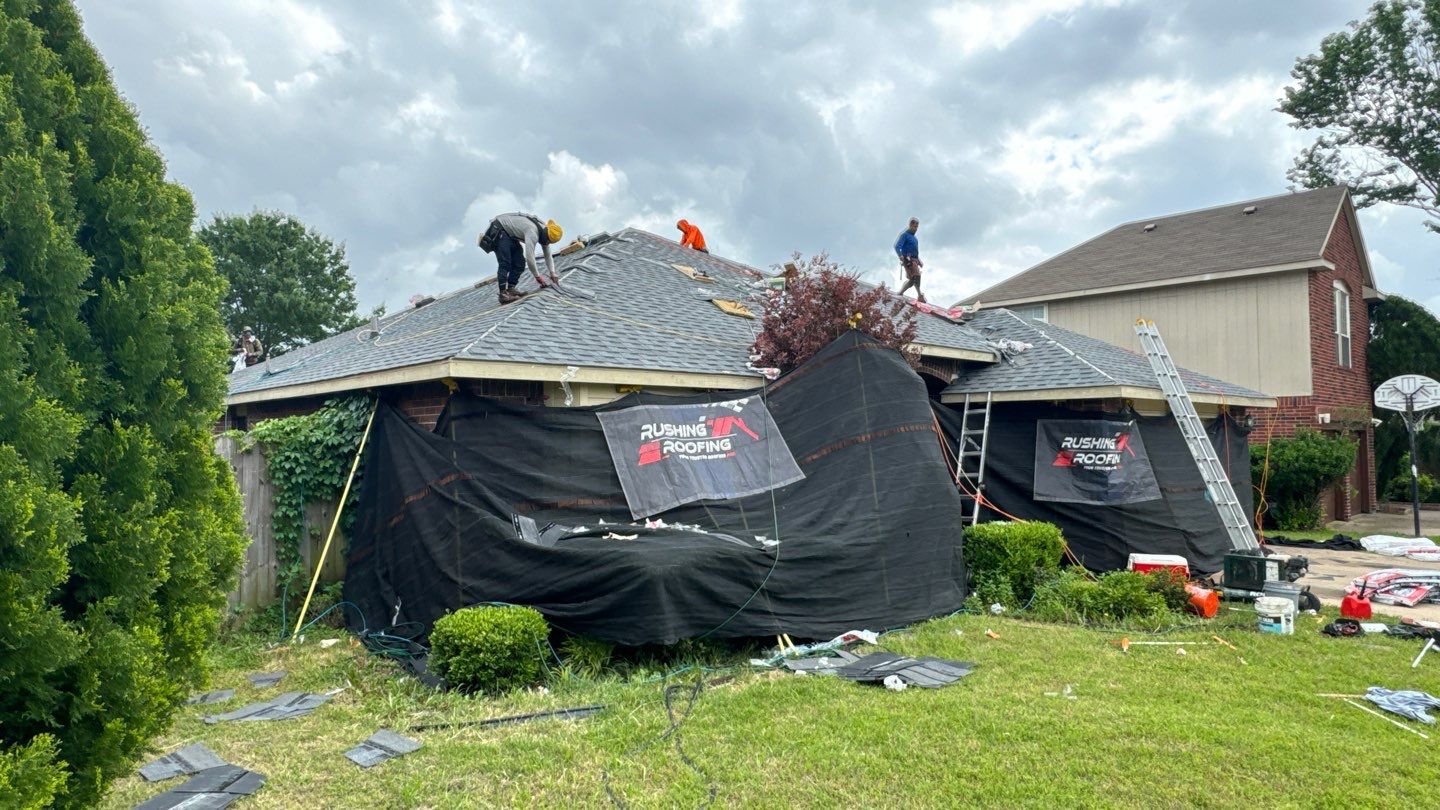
(1414,468)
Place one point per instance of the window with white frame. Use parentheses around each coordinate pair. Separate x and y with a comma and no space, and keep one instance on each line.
(1033,311)
(1342,324)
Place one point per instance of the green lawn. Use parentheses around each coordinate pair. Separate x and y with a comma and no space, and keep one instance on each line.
(1150,728)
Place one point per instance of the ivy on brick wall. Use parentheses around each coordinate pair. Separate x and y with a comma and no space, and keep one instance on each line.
(308,457)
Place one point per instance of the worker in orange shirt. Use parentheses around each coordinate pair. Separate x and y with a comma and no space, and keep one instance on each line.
(691,236)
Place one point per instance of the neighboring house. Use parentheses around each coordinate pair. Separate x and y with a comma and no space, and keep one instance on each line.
(1269,294)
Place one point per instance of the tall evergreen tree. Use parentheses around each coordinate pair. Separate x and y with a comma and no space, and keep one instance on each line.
(120,529)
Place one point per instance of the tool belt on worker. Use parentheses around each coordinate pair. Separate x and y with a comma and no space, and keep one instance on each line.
(491,238)
(911,265)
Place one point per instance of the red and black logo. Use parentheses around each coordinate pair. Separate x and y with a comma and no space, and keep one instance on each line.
(1099,453)
(710,437)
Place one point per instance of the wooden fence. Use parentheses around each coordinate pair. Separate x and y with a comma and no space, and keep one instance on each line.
(257,577)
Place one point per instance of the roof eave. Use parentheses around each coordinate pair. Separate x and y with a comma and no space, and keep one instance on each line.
(463,369)
(1305,264)
(1132,392)
(953,353)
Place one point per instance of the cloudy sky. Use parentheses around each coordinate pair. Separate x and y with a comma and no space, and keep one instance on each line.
(1012,129)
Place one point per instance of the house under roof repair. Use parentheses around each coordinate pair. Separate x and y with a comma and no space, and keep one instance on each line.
(621,465)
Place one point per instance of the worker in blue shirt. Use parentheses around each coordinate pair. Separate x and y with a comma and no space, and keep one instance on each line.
(907,247)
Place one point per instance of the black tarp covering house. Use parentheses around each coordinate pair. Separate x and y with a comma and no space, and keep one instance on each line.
(1181,521)
(869,538)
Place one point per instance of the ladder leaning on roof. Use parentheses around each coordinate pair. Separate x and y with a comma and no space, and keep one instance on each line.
(1217,483)
(970,454)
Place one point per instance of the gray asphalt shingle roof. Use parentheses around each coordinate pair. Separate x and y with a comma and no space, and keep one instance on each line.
(645,315)
(1060,359)
(1283,229)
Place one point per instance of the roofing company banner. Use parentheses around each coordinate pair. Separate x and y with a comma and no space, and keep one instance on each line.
(667,455)
(1092,461)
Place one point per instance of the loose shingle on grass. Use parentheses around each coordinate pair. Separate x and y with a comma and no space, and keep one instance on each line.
(210,789)
(265,680)
(280,707)
(382,745)
(192,758)
(205,699)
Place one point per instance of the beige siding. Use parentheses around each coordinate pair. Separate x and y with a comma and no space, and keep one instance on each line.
(590,394)
(1252,331)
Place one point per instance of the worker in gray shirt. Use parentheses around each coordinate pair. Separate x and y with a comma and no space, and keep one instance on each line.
(512,238)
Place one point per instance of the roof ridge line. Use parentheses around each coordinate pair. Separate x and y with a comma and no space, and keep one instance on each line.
(1217,206)
(1062,346)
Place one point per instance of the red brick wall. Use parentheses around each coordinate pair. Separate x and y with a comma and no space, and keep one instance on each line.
(1344,393)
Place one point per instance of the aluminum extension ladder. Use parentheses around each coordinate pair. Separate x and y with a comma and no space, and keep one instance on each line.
(970,455)
(1217,483)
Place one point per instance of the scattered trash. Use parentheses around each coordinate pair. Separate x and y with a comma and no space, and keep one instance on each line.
(894,683)
(559,714)
(1343,628)
(991,633)
(193,758)
(928,672)
(327,643)
(265,680)
(959,632)
(281,707)
(1406,703)
(792,650)
(820,665)
(217,696)
(997,609)
(211,788)
(380,746)
(1067,693)
(1180,651)
(1374,627)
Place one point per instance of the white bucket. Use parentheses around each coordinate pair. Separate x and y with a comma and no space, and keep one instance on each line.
(1275,615)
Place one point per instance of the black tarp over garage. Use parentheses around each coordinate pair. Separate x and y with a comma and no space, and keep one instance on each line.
(869,538)
(1181,521)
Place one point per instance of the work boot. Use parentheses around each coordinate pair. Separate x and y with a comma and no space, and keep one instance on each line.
(921,298)
(507,295)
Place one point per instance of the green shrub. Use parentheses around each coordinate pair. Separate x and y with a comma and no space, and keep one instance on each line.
(489,649)
(585,656)
(990,588)
(1399,488)
(1300,469)
(1013,552)
(1119,597)
(29,776)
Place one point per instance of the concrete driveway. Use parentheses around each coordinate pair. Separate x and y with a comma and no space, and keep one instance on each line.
(1332,571)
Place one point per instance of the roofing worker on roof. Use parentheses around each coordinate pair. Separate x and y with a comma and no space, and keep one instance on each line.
(250,346)
(691,236)
(512,238)
(907,247)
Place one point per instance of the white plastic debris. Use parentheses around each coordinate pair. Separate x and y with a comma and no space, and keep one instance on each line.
(894,684)
(329,642)
(997,608)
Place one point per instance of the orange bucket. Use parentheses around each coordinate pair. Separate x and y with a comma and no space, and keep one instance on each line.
(1203,602)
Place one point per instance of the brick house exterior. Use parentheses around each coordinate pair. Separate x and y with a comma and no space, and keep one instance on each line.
(1341,402)
(1246,292)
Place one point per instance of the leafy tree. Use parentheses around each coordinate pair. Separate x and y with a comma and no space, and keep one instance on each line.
(1404,339)
(1371,93)
(288,282)
(818,304)
(120,528)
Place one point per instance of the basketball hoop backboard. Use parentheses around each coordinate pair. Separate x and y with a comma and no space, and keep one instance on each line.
(1408,391)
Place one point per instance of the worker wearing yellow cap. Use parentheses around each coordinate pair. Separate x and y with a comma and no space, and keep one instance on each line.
(512,238)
